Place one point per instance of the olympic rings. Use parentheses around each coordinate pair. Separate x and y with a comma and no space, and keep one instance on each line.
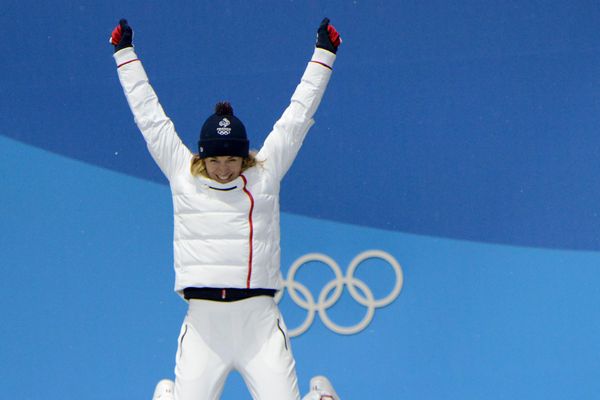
(325,301)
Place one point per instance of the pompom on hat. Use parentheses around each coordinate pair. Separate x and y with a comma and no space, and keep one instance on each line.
(223,134)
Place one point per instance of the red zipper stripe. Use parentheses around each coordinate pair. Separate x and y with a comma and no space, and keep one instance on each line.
(251,246)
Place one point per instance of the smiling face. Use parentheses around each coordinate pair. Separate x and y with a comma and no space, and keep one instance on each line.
(223,169)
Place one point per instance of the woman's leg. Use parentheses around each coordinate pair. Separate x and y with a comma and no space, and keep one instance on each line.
(201,369)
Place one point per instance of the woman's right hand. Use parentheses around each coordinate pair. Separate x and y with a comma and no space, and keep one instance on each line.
(122,36)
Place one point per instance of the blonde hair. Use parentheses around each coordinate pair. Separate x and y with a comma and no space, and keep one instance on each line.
(198,168)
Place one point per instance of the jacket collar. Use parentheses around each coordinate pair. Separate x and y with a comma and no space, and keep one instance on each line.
(236,184)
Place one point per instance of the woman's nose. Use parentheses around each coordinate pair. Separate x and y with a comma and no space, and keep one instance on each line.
(222,168)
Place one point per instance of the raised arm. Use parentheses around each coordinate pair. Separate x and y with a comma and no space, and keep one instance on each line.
(158,130)
(284,141)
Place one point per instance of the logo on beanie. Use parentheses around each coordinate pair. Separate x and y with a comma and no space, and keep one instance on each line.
(223,128)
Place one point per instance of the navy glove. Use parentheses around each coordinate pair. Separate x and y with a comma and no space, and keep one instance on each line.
(327,37)
(122,36)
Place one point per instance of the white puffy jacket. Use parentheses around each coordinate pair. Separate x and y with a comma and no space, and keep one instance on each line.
(225,235)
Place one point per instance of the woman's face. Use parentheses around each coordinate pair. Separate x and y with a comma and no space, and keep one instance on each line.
(223,169)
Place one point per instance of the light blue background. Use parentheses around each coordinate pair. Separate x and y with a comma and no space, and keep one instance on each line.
(89,311)
(460,138)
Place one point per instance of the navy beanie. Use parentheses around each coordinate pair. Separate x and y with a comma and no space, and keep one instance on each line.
(223,134)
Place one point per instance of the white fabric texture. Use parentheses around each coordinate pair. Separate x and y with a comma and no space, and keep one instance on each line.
(225,236)
(249,336)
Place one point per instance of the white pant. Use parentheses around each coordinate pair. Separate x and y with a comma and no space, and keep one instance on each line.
(248,336)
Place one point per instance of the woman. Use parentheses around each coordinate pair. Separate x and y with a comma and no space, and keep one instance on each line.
(226,237)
